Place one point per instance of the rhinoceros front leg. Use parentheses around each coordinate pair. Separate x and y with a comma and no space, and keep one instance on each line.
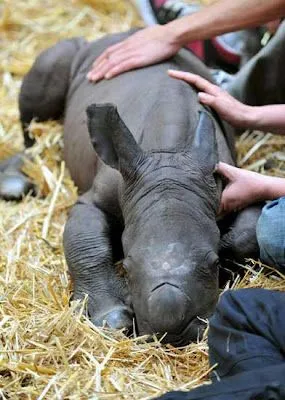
(239,240)
(89,255)
(13,183)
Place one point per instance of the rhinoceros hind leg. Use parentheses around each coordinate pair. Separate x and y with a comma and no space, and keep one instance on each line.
(89,255)
(44,88)
(42,97)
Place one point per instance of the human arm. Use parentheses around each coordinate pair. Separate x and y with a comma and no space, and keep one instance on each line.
(160,42)
(226,16)
(266,118)
(247,187)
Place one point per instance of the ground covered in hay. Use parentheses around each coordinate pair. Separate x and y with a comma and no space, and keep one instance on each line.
(47,350)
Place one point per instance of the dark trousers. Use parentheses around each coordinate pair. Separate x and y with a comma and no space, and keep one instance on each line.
(247,341)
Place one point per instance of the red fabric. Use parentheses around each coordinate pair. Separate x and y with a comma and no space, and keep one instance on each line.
(226,54)
(158,3)
(197,47)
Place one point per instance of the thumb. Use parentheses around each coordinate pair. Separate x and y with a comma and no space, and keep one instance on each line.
(228,171)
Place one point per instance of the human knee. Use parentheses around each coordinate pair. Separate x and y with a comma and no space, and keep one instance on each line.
(270,233)
(226,311)
(240,331)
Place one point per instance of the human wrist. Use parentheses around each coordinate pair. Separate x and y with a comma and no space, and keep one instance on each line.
(251,117)
(178,31)
(274,187)
(266,189)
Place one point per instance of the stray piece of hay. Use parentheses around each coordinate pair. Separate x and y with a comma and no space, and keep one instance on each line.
(53,202)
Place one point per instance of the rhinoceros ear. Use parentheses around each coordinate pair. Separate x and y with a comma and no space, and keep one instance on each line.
(205,144)
(111,139)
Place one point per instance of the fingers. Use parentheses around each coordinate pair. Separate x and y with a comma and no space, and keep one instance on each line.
(97,74)
(207,99)
(106,66)
(127,65)
(110,58)
(225,208)
(234,196)
(108,52)
(225,170)
(229,203)
(196,80)
(115,66)
(222,211)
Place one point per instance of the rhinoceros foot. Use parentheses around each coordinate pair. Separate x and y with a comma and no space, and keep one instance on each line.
(119,318)
(14,186)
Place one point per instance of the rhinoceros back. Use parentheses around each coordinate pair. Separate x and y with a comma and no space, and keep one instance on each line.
(161,112)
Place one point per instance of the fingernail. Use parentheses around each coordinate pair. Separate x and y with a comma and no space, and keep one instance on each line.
(203,97)
(108,76)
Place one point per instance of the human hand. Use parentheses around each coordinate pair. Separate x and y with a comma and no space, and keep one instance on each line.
(243,188)
(145,47)
(230,109)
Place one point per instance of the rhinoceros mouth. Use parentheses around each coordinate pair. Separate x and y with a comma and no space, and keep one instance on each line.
(163,284)
(167,308)
(170,315)
(193,332)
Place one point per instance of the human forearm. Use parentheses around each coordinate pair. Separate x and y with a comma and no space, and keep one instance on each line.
(266,118)
(273,187)
(225,16)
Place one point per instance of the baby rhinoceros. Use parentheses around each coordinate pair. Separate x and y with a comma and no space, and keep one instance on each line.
(142,151)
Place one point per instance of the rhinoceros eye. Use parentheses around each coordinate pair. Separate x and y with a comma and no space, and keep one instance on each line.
(215,267)
(213,262)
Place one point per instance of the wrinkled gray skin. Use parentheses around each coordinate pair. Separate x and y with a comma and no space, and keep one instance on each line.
(148,192)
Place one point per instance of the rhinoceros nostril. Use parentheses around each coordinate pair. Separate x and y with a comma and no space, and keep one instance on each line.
(168,307)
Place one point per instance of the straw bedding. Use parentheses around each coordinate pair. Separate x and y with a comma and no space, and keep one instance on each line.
(48,349)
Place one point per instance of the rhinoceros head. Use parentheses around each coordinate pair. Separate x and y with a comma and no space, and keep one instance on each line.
(169,201)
